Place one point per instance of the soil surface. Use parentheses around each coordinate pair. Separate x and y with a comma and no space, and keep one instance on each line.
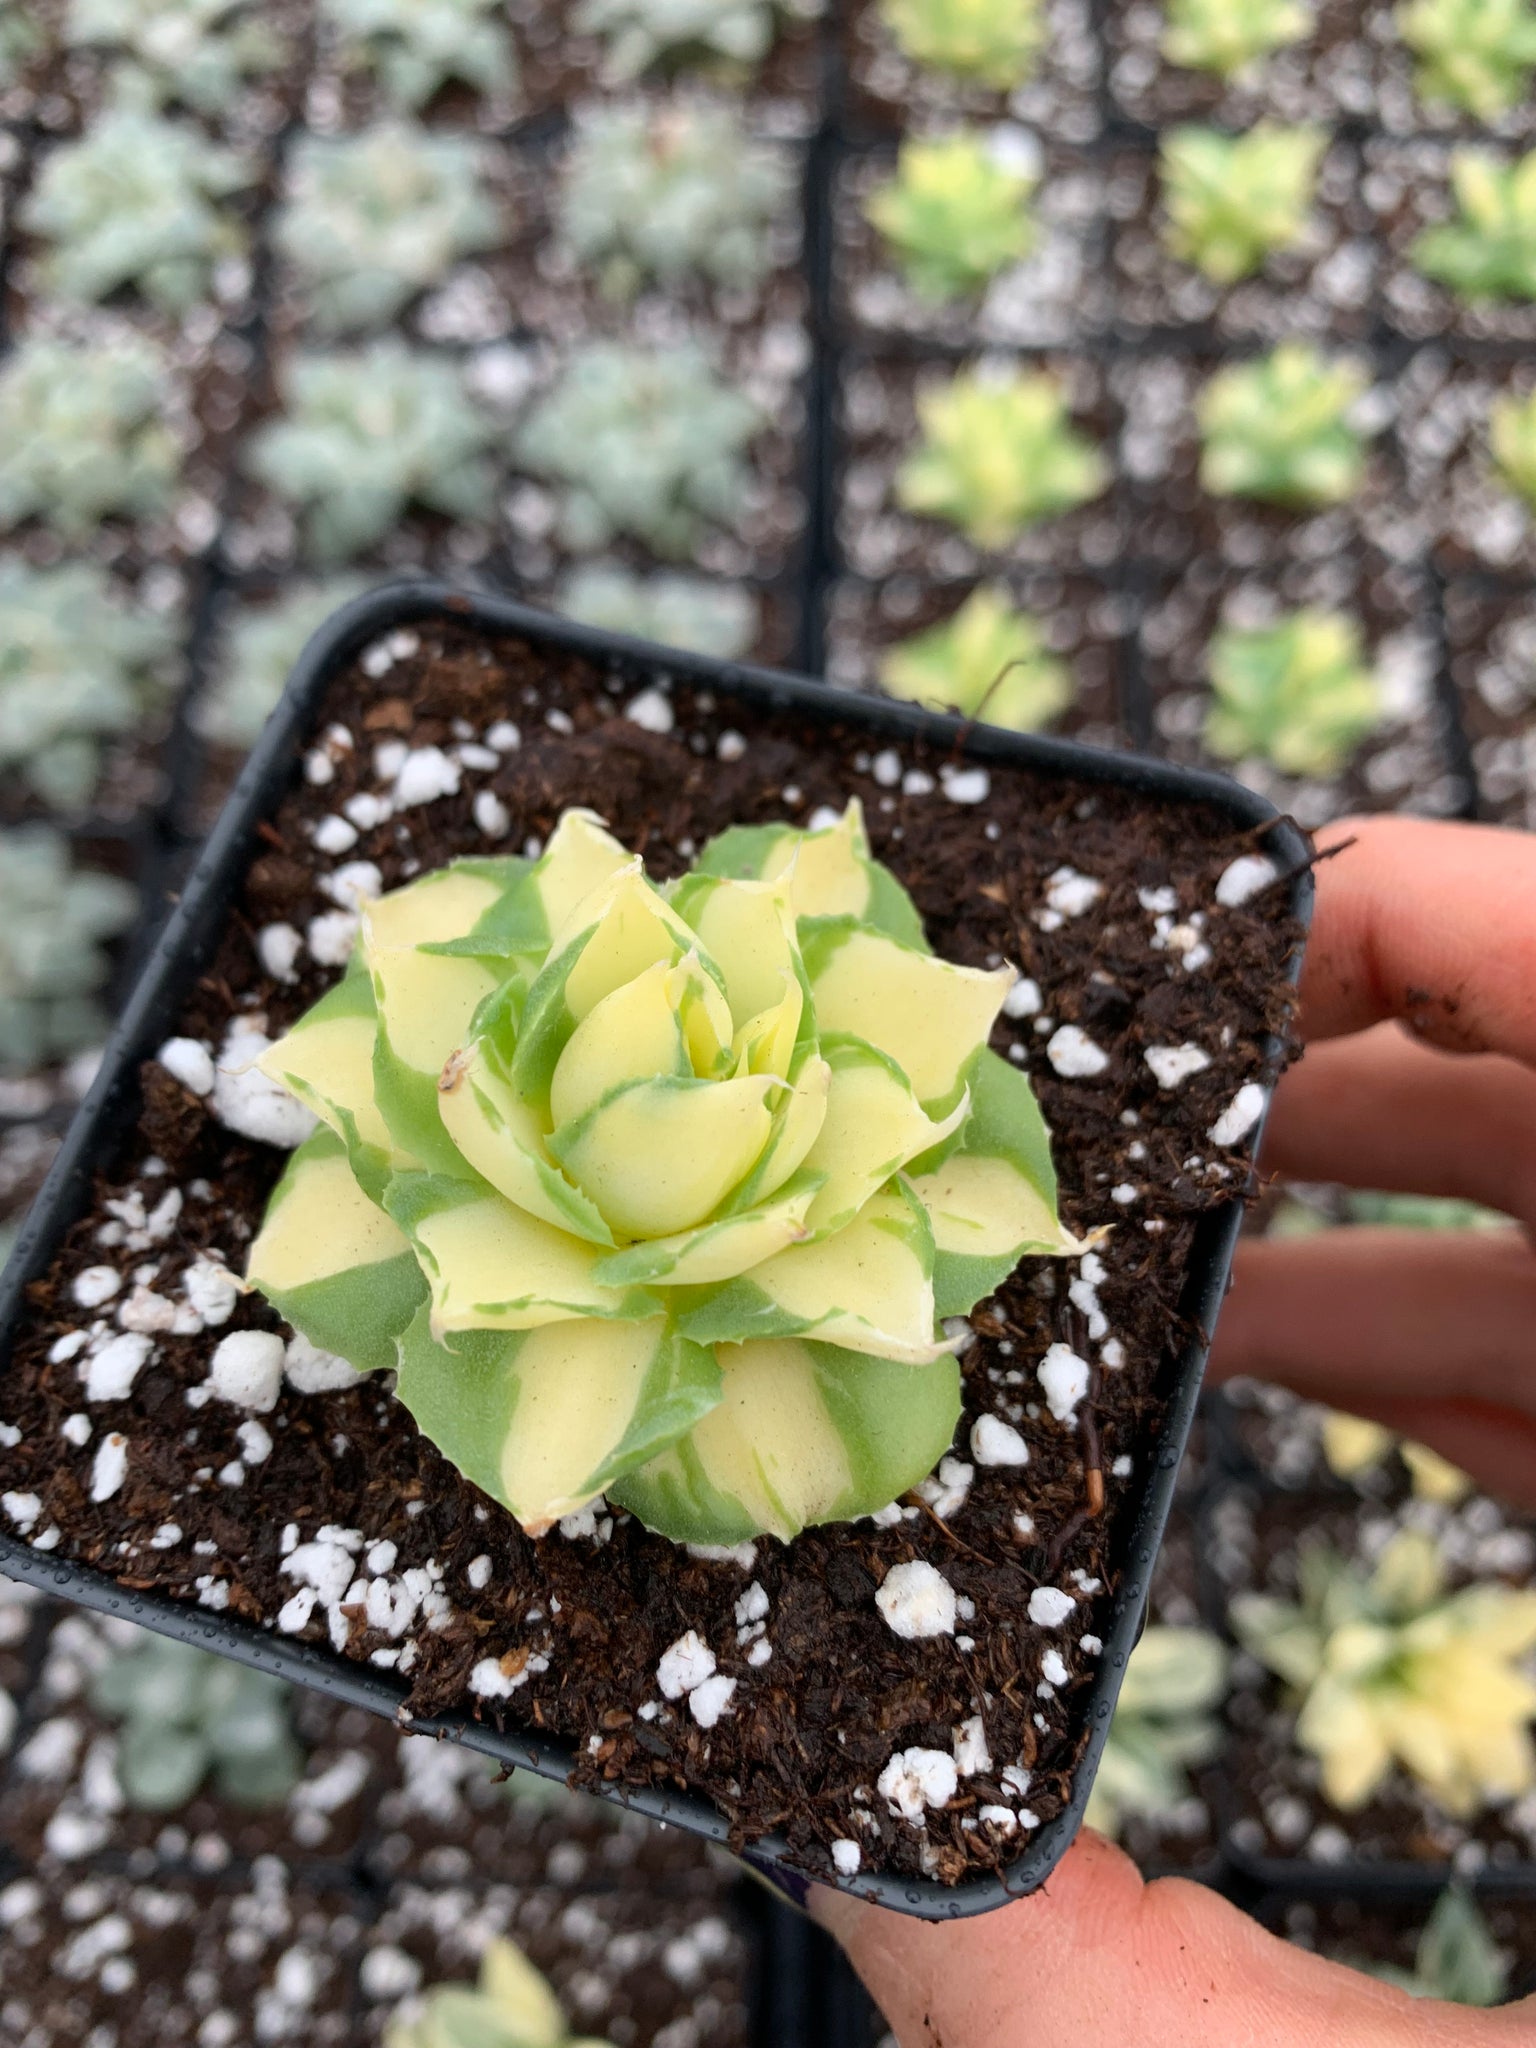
(198,1514)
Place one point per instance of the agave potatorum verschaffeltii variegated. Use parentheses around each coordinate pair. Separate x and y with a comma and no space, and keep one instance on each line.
(660,1193)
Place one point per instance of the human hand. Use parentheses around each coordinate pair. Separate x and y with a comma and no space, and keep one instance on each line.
(1419,1011)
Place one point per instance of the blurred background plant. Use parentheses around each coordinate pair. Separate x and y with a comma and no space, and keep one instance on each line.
(957,211)
(512,2006)
(372,220)
(52,962)
(1458,1959)
(257,653)
(1166,1724)
(1297,693)
(413,48)
(1474,55)
(1353,1446)
(646,441)
(1512,443)
(1282,428)
(84,434)
(187,1717)
(987,42)
(664,193)
(1230,37)
(678,610)
(78,666)
(988,661)
(1233,201)
(998,454)
(199,52)
(368,433)
(729,36)
(1489,250)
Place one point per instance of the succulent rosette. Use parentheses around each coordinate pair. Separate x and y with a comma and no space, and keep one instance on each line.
(660,1193)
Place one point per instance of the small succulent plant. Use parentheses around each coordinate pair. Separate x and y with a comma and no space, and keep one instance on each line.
(955,214)
(1458,1959)
(76,666)
(136,202)
(21,40)
(257,657)
(1297,693)
(369,433)
(614,1178)
(187,1716)
(1489,252)
(670,193)
(1474,55)
(1354,1446)
(986,42)
(1164,1726)
(512,2006)
(83,434)
(647,441)
(1512,443)
(197,52)
(988,661)
(1230,37)
(1232,201)
(373,219)
(999,453)
(679,611)
(1280,429)
(415,47)
(646,35)
(1420,1212)
(1388,1669)
(51,962)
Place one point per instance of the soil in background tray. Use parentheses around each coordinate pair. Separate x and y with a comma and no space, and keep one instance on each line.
(1151,961)
(1363,1935)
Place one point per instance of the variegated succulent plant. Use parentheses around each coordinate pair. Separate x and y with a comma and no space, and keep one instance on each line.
(1164,1726)
(955,213)
(646,441)
(77,666)
(989,660)
(188,1716)
(1280,429)
(665,193)
(415,47)
(1474,55)
(1232,201)
(1388,1669)
(84,434)
(1231,37)
(1457,1958)
(647,35)
(999,453)
(1298,693)
(660,1194)
(1512,443)
(368,433)
(198,52)
(51,961)
(676,609)
(1354,1446)
(137,201)
(1489,251)
(373,219)
(512,2006)
(986,42)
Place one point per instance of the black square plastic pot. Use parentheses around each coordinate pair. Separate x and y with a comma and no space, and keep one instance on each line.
(184,950)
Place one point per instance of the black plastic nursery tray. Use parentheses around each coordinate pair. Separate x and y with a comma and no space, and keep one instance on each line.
(1204,1220)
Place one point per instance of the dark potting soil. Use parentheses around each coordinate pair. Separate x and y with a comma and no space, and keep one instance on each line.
(197,1511)
(1491,638)
(1363,1935)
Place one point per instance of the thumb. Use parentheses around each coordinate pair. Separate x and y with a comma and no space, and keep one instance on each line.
(1098,1959)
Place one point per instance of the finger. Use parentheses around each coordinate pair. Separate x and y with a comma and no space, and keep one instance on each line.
(1382,1111)
(1098,1957)
(1432,923)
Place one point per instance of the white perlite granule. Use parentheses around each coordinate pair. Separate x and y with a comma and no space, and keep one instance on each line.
(110,1467)
(1239,1116)
(995,1442)
(846,1857)
(247,1370)
(244,1100)
(916,1779)
(651,711)
(1049,1607)
(1063,1378)
(1172,1064)
(916,1600)
(1074,1055)
(278,947)
(1053,1668)
(1023,999)
(189,1062)
(95,1285)
(1069,894)
(972,1753)
(685,1664)
(711,1698)
(1243,878)
(426,774)
(110,1374)
(310,1370)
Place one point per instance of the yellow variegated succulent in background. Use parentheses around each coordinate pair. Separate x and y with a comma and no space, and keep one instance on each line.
(1354,1446)
(1388,1668)
(660,1193)
(512,2006)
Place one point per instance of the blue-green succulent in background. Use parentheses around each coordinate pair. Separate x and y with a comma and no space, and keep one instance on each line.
(188,1717)
(84,434)
(52,966)
(416,47)
(198,52)
(256,657)
(643,35)
(676,609)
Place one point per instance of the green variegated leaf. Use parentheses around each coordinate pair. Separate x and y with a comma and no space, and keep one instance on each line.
(542,1420)
(874,1125)
(992,1197)
(720,1250)
(748,929)
(804,1433)
(500,1137)
(830,873)
(540,899)
(332,1262)
(326,1060)
(492,1266)
(870,1287)
(926,1014)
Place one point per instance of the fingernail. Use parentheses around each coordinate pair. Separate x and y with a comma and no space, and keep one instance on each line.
(786,1884)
